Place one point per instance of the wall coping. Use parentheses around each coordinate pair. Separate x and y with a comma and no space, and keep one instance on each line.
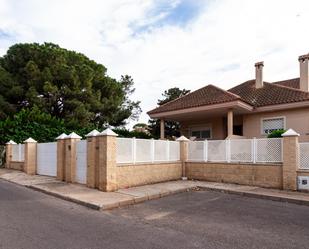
(238,163)
(143,164)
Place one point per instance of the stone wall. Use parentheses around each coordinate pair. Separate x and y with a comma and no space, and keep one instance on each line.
(141,174)
(262,175)
(16,165)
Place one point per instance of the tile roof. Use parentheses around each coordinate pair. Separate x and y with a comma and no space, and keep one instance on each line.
(207,95)
(280,92)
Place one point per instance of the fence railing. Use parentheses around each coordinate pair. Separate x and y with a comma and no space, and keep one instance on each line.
(304,156)
(18,151)
(132,150)
(267,150)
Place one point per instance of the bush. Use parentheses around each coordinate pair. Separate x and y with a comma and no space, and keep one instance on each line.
(276,133)
(127,133)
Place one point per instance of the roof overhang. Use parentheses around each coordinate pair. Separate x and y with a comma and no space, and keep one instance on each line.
(270,108)
(221,109)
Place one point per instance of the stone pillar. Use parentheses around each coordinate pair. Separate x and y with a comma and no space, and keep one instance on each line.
(162,129)
(183,154)
(107,167)
(92,159)
(8,153)
(30,156)
(230,123)
(70,156)
(290,159)
(61,157)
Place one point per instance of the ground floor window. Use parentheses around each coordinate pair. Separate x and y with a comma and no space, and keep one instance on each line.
(204,133)
(271,124)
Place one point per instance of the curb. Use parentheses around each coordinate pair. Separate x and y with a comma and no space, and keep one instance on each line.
(258,196)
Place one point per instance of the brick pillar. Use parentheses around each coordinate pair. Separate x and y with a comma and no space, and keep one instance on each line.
(107,171)
(61,157)
(183,154)
(8,153)
(70,156)
(30,156)
(290,159)
(92,159)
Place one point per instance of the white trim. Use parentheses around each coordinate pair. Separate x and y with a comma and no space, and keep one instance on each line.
(269,118)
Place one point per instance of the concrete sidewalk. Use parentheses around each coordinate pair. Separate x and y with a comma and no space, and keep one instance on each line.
(107,200)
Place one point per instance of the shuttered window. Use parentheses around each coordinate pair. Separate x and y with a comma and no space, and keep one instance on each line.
(271,124)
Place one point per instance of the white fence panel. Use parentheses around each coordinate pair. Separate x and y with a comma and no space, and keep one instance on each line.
(143,150)
(217,151)
(18,152)
(124,147)
(174,151)
(196,151)
(161,150)
(269,150)
(47,159)
(81,161)
(241,150)
(304,156)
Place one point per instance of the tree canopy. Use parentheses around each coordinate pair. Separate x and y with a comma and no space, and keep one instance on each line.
(65,84)
(172,128)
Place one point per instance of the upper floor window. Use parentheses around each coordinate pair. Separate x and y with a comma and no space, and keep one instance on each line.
(271,124)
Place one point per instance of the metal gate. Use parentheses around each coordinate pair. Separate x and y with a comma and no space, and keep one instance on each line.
(47,159)
(81,161)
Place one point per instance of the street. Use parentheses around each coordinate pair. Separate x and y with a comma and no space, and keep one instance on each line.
(200,219)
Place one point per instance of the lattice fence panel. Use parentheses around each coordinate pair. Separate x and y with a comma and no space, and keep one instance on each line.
(174,151)
(304,155)
(196,151)
(18,152)
(124,150)
(217,151)
(143,150)
(269,150)
(241,150)
(81,161)
(160,150)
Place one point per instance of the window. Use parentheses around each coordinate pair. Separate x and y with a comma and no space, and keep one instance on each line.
(271,124)
(201,133)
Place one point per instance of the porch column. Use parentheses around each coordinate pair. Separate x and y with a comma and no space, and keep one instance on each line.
(162,129)
(230,123)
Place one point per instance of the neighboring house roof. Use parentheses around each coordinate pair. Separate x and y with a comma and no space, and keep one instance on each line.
(207,95)
(280,92)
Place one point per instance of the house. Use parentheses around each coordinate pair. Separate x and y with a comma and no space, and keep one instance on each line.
(254,108)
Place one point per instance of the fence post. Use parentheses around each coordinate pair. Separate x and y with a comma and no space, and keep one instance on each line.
(70,157)
(30,155)
(290,159)
(183,154)
(228,150)
(254,150)
(92,159)
(152,150)
(61,157)
(8,153)
(205,152)
(107,167)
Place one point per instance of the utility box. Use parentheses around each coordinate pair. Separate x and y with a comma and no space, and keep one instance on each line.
(303,182)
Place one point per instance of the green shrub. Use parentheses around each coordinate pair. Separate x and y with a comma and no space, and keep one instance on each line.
(276,133)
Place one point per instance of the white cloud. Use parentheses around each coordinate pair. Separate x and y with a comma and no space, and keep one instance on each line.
(219,46)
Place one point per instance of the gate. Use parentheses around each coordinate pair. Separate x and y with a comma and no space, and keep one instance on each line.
(81,161)
(47,159)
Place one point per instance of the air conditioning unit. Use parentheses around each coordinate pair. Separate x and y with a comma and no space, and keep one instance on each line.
(303,182)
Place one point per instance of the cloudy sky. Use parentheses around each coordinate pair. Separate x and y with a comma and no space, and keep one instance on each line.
(168,43)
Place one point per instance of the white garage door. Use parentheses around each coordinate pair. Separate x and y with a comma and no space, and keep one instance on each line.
(47,159)
(81,161)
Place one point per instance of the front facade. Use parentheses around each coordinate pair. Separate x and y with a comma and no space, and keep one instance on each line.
(252,109)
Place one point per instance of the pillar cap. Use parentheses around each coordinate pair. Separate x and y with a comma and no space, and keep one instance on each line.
(93,133)
(290,133)
(182,138)
(62,136)
(11,142)
(30,140)
(73,135)
(108,132)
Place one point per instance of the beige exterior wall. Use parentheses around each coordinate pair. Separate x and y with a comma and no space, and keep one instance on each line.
(142,174)
(17,165)
(297,119)
(262,175)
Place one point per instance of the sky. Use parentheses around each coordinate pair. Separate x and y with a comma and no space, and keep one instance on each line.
(172,43)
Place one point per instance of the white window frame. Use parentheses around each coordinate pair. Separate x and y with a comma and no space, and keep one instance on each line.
(269,118)
(201,128)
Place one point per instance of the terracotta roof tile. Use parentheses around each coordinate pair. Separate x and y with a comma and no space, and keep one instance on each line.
(293,83)
(207,95)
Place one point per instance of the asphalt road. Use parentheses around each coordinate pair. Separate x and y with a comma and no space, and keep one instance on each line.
(203,219)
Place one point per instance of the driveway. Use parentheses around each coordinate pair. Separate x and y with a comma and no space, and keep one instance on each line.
(202,219)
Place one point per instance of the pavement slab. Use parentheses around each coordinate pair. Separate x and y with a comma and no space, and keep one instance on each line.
(99,200)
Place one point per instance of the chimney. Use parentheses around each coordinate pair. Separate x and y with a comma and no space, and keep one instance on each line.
(259,74)
(304,72)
